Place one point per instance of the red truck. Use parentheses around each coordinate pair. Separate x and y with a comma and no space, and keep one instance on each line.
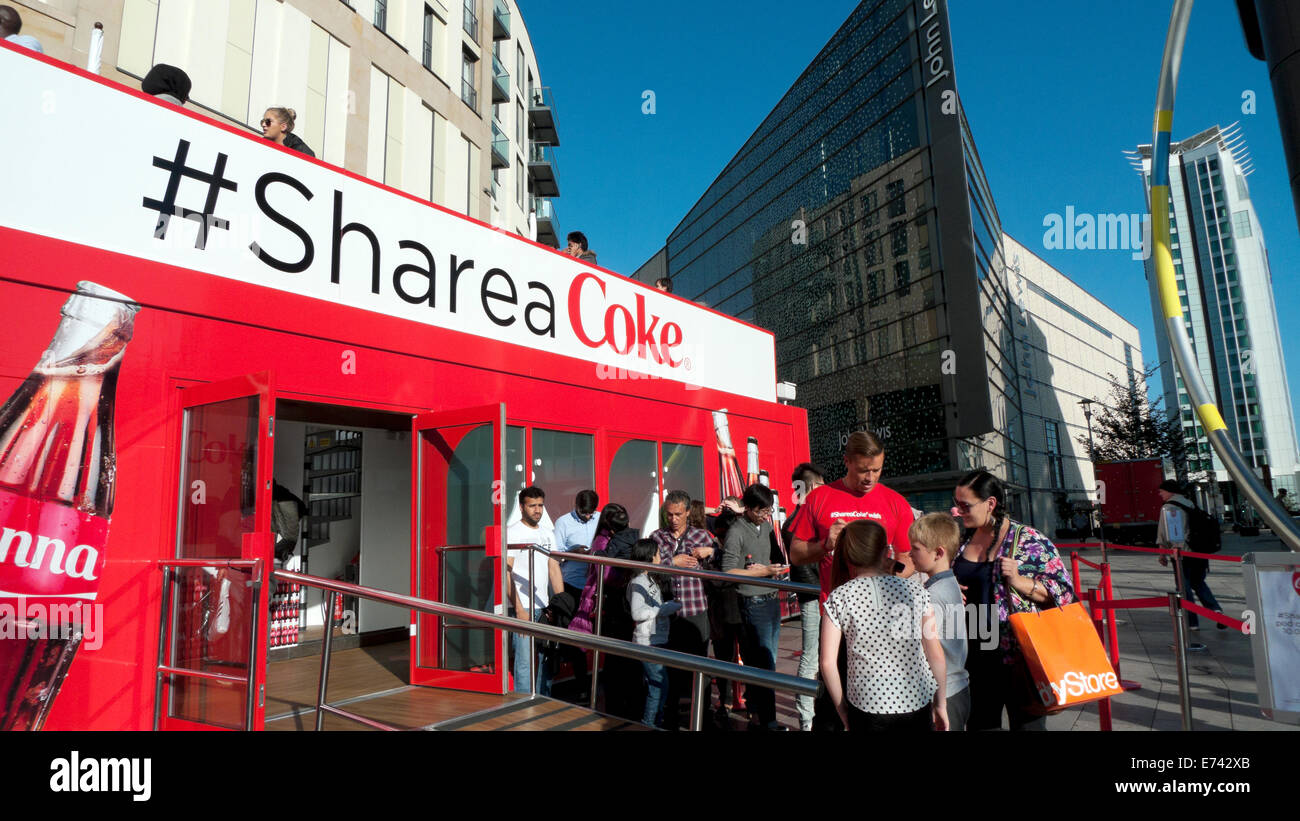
(1130,505)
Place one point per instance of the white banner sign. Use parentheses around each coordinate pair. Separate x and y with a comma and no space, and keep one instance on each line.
(93,165)
(1279,593)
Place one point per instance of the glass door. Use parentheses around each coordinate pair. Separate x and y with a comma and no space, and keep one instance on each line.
(215,643)
(457,543)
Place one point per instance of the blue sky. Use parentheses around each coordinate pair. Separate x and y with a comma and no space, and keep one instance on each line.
(1053,96)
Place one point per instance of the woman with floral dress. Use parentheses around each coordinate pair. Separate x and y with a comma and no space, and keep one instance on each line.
(1004,567)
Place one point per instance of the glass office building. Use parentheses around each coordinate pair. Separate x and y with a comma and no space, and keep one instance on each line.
(1226,290)
(857,225)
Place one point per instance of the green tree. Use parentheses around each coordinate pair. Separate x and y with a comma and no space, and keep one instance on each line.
(1129,426)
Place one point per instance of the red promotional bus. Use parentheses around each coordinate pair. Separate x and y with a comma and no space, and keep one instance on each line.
(1130,505)
(253,325)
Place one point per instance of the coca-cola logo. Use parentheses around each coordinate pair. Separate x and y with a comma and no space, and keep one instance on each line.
(79,562)
(625,330)
(49,552)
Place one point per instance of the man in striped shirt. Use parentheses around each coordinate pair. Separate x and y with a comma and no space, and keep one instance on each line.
(684,546)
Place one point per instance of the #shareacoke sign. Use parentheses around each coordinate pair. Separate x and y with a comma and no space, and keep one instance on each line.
(100,167)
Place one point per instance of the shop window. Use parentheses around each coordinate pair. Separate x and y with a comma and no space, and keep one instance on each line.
(563,464)
(683,469)
(516,479)
(634,483)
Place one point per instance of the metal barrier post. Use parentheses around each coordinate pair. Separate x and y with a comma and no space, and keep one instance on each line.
(162,637)
(1178,571)
(698,698)
(255,629)
(600,613)
(1181,586)
(1180,659)
(1103,706)
(1074,566)
(325,659)
(532,640)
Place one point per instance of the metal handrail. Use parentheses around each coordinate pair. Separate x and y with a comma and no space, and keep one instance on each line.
(699,666)
(168,568)
(706,575)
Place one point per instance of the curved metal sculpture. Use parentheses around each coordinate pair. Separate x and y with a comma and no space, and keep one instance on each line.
(1184,355)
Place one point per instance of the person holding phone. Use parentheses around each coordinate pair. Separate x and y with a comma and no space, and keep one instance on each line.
(745,552)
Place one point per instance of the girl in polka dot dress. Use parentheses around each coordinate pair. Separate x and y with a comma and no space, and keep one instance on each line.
(896,669)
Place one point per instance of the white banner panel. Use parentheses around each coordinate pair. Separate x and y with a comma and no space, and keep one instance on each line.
(93,165)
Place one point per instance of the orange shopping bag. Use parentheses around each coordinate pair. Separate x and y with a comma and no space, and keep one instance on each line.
(1064,659)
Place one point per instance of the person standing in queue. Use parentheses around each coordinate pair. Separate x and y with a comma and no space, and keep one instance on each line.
(574,533)
(725,622)
(806,478)
(744,553)
(684,546)
(859,495)
(1005,567)
(531,584)
(897,677)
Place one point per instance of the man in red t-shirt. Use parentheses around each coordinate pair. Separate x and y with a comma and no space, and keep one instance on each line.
(859,495)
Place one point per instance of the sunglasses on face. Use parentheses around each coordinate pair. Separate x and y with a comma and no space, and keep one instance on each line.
(965,507)
(266,123)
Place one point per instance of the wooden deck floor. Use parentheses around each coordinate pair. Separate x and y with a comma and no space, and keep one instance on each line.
(371,682)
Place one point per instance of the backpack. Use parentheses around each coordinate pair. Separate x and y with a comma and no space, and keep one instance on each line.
(558,613)
(1203,533)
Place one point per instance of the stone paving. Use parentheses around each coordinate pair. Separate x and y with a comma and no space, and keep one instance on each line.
(1222,677)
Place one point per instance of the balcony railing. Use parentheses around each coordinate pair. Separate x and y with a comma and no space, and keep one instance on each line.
(471,20)
(500,148)
(548,226)
(500,81)
(500,20)
(541,167)
(541,116)
(469,94)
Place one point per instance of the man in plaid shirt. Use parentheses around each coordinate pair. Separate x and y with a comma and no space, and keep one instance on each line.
(684,546)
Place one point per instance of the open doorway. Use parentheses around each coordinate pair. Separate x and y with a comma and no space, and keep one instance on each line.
(347,471)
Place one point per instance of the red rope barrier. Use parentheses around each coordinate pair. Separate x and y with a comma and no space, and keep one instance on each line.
(1090,564)
(1188,553)
(1228,621)
(1133,604)
(1159,550)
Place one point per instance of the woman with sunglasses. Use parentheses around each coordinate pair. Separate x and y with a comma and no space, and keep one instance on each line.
(1004,567)
(277,126)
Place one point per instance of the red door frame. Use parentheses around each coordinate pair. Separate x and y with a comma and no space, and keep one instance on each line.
(428,511)
(255,545)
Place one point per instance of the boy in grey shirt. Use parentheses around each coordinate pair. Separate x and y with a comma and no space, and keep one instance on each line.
(935,539)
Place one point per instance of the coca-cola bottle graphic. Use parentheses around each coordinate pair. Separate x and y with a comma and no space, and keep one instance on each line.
(729,466)
(57,473)
(751,461)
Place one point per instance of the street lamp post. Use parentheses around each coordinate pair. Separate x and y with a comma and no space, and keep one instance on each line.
(1101,517)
